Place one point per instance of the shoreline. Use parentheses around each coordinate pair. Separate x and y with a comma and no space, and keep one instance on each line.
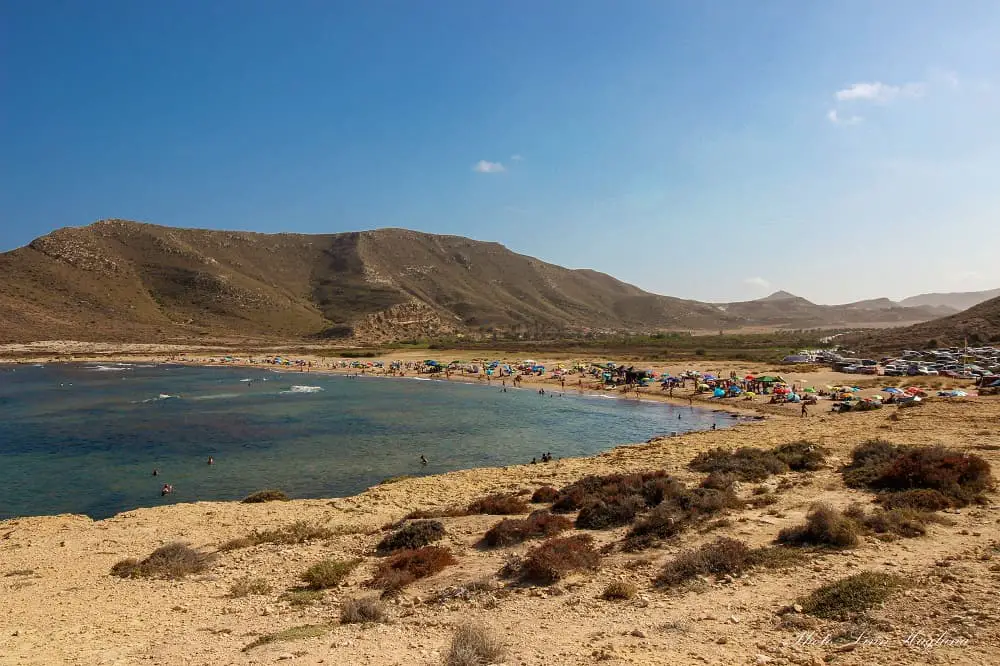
(66,558)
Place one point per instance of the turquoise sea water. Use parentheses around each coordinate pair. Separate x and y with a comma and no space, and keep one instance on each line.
(85,438)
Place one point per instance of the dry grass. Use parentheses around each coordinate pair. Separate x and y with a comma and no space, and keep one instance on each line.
(510,531)
(269,495)
(620,590)
(417,534)
(328,573)
(246,586)
(475,645)
(406,566)
(851,596)
(358,611)
(291,634)
(172,561)
(298,532)
(746,464)
(896,522)
(613,512)
(301,597)
(557,557)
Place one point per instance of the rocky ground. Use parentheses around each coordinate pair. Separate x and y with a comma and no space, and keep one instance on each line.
(61,605)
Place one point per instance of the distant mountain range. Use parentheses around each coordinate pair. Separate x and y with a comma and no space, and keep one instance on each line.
(121,280)
(957,301)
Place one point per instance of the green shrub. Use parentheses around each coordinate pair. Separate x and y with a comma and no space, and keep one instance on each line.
(801,456)
(417,534)
(328,573)
(824,526)
(614,512)
(269,495)
(298,532)
(851,596)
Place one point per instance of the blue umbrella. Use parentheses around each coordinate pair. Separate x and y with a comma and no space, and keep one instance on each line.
(890,389)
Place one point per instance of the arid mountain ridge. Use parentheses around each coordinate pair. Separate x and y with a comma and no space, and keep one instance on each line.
(130,281)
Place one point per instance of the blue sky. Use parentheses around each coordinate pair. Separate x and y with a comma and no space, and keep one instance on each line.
(716,150)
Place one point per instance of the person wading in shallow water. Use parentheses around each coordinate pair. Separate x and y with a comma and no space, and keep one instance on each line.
(423,460)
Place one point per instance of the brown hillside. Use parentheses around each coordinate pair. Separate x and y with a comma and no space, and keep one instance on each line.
(977,325)
(121,280)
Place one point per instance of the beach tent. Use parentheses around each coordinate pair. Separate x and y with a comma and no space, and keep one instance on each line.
(892,390)
(719,393)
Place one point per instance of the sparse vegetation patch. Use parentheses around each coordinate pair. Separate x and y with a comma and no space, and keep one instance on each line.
(172,561)
(851,596)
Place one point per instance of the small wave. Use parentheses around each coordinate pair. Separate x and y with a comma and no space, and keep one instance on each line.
(304,389)
(108,368)
(246,380)
(162,396)
(216,396)
(422,379)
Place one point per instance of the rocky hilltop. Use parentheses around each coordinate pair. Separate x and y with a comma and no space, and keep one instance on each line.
(117,280)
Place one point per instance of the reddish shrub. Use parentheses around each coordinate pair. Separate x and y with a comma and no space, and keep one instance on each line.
(920,498)
(407,566)
(545,494)
(959,476)
(510,531)
(614,512)
(552,560)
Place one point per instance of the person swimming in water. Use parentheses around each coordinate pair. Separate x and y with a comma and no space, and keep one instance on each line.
(423,460)
(156,472)
(211,460)
(167,489)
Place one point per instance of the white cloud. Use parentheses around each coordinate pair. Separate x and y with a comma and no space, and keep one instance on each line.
(757,282)
(838,119)
(878,92)
(484,166)
(516,158)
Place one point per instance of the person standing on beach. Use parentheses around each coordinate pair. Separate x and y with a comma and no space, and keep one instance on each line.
(804,412)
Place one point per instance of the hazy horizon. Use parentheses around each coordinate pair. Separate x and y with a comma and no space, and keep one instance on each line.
(714,152)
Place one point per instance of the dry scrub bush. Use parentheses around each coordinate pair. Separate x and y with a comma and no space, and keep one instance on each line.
(719,481)
(747,463)
(358,611)
(614,512)
(246,586)
(959,477)
(651,487)
(824,526)
(620,590)
(328,573)
(676,513)
(919,498)
(900,521)
(269,495)
(175,560)
(722,556)
(510,531)
(544,494)
(406,566)
(414,535)
(298,532)
(801,456)
(498,505)
(851,596)
(474,645)
(557,557)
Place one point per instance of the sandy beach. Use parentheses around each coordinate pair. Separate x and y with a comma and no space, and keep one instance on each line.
(62,606)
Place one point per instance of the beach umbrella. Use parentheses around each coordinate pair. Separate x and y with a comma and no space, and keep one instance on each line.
(809,389)
(893,390)
(749,378)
